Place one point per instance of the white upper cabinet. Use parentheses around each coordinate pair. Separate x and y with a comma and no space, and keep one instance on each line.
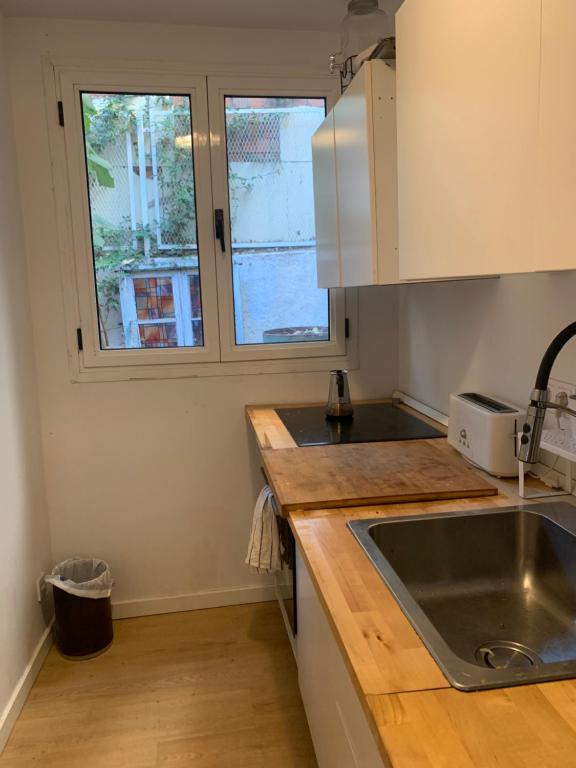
(481,176)
(468,100)
(556,188)
(355,181)
(326,205)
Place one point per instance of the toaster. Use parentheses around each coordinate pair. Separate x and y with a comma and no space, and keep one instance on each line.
(484,431)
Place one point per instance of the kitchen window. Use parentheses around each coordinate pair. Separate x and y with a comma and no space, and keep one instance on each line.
(193,220)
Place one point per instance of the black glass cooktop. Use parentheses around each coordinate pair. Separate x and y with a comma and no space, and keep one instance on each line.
(371,424)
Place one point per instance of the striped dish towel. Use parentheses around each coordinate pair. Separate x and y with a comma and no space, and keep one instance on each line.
(264,553)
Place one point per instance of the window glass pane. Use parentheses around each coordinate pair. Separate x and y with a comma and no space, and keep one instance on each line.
(272,218)
(159,335)
(140,164)
(154,297)
(196,310)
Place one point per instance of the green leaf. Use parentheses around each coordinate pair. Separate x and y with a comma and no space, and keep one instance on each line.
(97,165)
(88,111)
(99,225)
(100,167)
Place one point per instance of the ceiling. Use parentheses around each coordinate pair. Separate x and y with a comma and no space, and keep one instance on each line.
(261,14)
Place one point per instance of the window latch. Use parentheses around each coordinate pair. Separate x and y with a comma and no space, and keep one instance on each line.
(219,228)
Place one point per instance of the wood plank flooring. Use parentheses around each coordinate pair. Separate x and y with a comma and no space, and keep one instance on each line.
(207,689)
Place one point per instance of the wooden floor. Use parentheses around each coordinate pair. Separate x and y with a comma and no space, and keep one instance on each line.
(208,689)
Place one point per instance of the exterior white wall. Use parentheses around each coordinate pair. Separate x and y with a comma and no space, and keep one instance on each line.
(24,537)
(274,201)
(157,477)
(483,335)
(268,293)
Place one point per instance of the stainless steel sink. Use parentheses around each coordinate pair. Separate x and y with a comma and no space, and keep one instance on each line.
(492,593)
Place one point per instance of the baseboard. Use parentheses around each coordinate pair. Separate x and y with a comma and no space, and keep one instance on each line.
(192,602)
(22,689)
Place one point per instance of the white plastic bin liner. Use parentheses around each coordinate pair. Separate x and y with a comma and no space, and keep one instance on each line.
(83,577)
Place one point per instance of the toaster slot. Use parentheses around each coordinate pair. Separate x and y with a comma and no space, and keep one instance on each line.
(487,403)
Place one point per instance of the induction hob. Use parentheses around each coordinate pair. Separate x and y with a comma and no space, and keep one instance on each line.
(374,422)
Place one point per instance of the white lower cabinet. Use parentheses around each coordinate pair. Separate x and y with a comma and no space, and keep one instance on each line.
(340,732)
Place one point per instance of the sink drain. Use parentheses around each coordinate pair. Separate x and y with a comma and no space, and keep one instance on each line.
(503,654)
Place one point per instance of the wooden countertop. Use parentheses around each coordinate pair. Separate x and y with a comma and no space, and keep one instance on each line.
(360,474)
(271,434)
(418,719)
(269,430)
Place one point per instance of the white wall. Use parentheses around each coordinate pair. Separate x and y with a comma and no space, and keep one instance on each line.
(24,538)
(158,477)
(483,335)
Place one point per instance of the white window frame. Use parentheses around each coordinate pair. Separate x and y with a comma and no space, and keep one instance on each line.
(219,355)
(218,89)
(72,85)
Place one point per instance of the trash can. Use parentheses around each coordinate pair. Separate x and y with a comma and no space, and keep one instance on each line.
(83,616)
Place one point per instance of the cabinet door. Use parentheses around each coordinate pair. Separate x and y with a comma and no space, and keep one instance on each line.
(326,205)
(355,177)
(385,144)
(339,727)
(556,219)
(467,99)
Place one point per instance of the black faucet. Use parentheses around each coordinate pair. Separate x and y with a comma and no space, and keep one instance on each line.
(539,402)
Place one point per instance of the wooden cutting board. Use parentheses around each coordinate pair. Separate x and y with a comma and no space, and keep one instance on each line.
(361,474)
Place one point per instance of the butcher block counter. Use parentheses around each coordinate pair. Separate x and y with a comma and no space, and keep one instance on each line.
(418,720)
(360,474)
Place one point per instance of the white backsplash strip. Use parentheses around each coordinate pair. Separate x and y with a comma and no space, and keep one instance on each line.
(426,410)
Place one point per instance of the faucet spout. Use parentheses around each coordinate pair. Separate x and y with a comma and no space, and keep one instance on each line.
(556,345)
(539,400)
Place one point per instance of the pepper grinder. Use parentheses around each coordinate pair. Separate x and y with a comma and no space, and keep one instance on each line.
(339,405)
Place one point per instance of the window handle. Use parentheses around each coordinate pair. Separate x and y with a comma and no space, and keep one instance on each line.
(219,228)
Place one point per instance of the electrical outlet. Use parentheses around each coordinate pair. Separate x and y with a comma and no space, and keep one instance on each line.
(556,385)
(40,588)
(555,420)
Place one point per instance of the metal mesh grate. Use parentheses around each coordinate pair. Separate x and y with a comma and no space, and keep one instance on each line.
(253,136)
(174,189)
(163,187)
(109,203)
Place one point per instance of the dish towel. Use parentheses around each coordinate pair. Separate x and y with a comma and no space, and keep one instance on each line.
(264,553)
